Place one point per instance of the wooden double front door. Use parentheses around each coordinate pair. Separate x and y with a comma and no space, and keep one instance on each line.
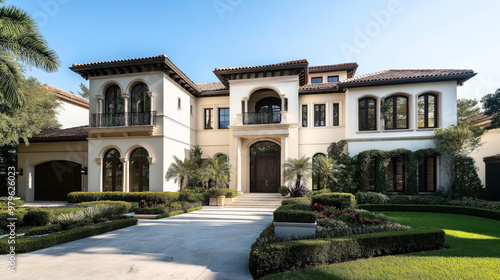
(266,173)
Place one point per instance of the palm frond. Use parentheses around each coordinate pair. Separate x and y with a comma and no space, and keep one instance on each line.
(15,21)
(10,79)
(32,49)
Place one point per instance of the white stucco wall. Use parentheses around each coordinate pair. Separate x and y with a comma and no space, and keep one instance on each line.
(491,147)
(70,115)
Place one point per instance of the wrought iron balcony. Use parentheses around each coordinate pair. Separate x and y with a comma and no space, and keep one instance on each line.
(261,118)
(123,119)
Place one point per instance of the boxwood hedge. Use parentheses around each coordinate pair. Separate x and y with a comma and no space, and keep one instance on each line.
(77,197)
(278,257)
(338,200)
(294,213)
(297,200)
(121,207)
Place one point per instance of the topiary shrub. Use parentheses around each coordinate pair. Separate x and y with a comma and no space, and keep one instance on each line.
(37,217)
(371,198)
(294,213)
(43,230)
(190,195)
(337,200)
(474,202)
(297,200)
(467,182)
(167,197)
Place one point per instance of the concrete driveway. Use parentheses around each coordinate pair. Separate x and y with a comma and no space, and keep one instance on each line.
(212,243)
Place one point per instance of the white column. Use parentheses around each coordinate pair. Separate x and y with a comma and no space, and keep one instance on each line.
(246,105)
(125,184)
(153,108)
(98,118)
(126,100)
(238,165)
(284,155)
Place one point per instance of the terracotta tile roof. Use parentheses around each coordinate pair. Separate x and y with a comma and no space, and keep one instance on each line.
(119,60)
(62,94)
(341,65)
(286,63)
(210,86)
(410,76)
(481,119)
(334,86)
(69,134)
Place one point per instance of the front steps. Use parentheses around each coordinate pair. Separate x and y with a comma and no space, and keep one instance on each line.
(255,200)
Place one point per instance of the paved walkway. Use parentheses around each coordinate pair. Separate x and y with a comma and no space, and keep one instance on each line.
(212,243)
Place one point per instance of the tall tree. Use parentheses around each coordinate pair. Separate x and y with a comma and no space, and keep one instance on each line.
(491,104)
(466,108)
(297,170)
(21,43)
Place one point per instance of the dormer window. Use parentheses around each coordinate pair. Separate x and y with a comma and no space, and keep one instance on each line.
(332,79)
(316,80)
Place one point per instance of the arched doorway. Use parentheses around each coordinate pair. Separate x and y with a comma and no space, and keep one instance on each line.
(55,179)
(139,170)
(265,167)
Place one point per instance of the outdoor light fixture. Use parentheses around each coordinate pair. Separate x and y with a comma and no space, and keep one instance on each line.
(19,172)
(84,170)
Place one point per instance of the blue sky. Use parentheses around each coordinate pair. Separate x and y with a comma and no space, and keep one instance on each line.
(201,35)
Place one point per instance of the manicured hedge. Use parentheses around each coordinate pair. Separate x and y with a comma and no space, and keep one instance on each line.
(297,200)
(338,200)
(175,213)
(471,211)
(278,257)
(416,199)
(77,197)
(122,207)
(29,244)
(294,213)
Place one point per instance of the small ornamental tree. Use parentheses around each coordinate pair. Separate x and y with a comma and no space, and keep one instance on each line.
(454,142)
(491,104)
(297,170)
(326,168)
(179,171)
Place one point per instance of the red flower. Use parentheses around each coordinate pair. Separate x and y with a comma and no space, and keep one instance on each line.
(377,221)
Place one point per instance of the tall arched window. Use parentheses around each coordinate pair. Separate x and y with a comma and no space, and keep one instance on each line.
(112,171)
(427,111)
(139,170)
(367,114)
(316,178)
(140,105)
(396,112)
(113,107)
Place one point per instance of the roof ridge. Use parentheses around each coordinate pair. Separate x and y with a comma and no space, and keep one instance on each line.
(119,60)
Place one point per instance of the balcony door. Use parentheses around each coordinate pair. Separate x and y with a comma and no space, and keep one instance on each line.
(140,105)
(268,110)
(113,107)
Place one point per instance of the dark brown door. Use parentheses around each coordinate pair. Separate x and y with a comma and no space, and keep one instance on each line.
(266,173)
(55,179)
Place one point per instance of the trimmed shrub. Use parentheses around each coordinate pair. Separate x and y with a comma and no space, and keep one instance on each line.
(297,200)
(337,200)
(174,213)
(416,199)
(5,214)
(4,202)
(190,195)
(119,207)
(474,202)
(77,197)
(371,198)
(467,182)
(278,257)
(471,211)
(294,213)
(213,192)
(26,244)
(37,217)
(283,190)
(44,230)
(328,228)
(150,210)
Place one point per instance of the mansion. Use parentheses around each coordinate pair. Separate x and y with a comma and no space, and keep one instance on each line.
(144,111)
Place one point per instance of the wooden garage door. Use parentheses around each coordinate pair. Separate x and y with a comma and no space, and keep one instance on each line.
(55,179)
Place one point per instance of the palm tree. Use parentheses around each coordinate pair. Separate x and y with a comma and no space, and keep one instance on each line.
(179,170)
(326,168)
(21,42)
(218,170)
(297,171)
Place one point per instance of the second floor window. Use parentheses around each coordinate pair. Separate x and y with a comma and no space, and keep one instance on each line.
(304,115)
(114,103)
(367,114)
(396,112)
(319,114)
(427,111)
(335,114)
(316,80)
(140,101)
(223,118)
(209,118)
(332,79)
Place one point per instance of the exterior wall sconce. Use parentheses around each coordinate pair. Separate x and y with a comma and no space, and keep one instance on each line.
(84,170)
(20,172)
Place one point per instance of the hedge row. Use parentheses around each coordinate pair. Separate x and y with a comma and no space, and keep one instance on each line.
(297,200)
(29,244)
(175,213)
(294,213)
(278,257)
(471,211)
(122,207)
(77,197)
(337,200)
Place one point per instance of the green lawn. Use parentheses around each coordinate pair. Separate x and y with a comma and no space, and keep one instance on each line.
(474,253)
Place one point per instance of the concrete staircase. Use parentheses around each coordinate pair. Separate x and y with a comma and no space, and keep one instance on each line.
(256,200)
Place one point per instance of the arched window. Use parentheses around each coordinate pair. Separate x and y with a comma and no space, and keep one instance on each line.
(367,114)
(139,170)
(113,107)
(427,111)
(140,105)
(268,110)
(316,178)
(112,171)
(396,112)
(223,156)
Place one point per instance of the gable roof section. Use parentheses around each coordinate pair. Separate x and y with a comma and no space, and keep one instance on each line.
(300,66)
(68,96)
(136,65)
(349,67)
(212,89)
(409,76)
(63,135)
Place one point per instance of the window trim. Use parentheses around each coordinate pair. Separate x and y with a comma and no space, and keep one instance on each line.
(426,110)
(365,117)
(205,118)
(324,114)
(395,113)
(333,114)
(305,116)
(320,80)
(219,117)
(333,76)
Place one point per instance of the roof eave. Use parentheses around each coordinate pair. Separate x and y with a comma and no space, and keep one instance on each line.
(460,78)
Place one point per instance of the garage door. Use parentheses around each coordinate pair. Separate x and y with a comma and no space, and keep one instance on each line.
(55,179)
(493,179)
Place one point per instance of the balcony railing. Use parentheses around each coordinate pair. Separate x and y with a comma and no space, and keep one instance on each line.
(261,118)
(123,119)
